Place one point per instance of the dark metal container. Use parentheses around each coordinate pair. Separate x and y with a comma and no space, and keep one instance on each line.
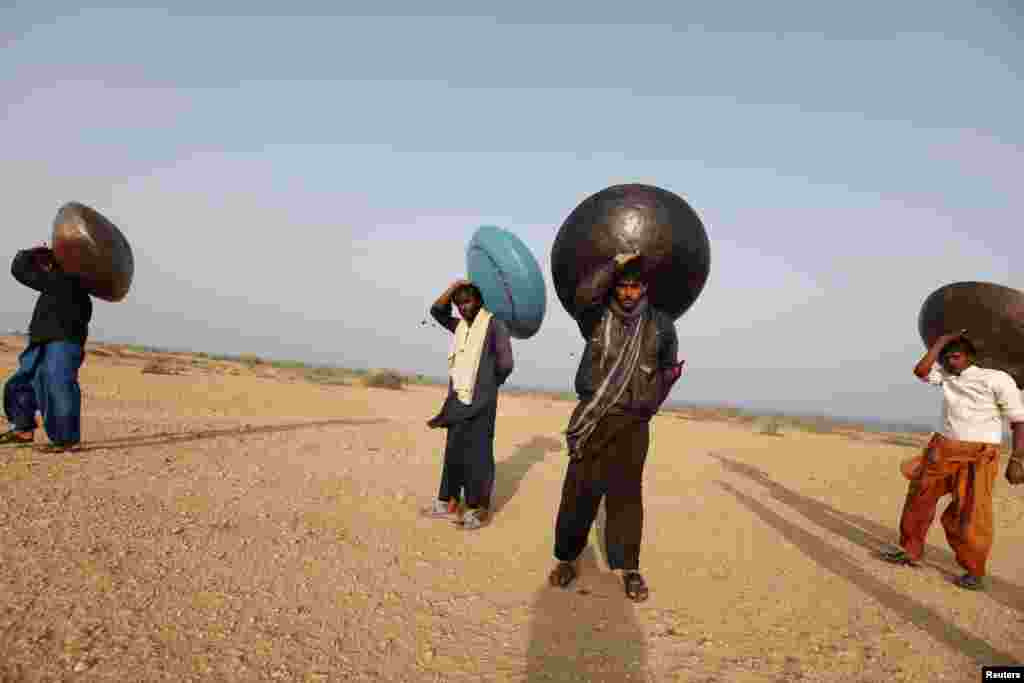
(993,316)
(666,231)
(87,244)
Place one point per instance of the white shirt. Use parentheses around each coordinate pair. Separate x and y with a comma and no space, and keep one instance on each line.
(975,403)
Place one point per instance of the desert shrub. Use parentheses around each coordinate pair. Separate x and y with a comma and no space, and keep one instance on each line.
(815,425)
(728,412)
(426,380)
(768,426)
(289,365)
(229,358)
(328,376)
(142,348)
(329,381)
(159,367)
(384,379)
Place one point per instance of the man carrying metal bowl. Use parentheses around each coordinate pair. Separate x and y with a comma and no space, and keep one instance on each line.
(961,461)
(47,376)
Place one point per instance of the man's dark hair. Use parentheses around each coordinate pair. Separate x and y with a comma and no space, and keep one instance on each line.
(472,289)
(963,345)
(46,260)
(634,270)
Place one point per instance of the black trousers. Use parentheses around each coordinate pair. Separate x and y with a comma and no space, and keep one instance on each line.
(612,467)
(469,459)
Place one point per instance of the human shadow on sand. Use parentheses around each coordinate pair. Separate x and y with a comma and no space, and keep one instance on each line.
(587,632)
(829,558)
(869,534)
(185,437)
(509,473)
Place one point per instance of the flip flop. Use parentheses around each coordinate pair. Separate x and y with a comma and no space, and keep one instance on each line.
(472,520)
(898,557)
(11,438)
(970,582)
(441,510)
(636,587)
(562,575)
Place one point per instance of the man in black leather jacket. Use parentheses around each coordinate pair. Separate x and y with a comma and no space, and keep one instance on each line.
(627,370)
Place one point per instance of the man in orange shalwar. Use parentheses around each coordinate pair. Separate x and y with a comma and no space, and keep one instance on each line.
(963,460)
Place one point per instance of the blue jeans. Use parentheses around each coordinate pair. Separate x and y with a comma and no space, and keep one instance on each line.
(47,381)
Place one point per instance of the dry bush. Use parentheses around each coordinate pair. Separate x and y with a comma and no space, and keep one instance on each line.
(160,367)
(328,376)
(815,425)
(384,379)
(768,426)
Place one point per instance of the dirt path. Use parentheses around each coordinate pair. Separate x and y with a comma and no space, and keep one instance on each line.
(245,528)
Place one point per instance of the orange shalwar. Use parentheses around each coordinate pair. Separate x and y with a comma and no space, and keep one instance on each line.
(967,470)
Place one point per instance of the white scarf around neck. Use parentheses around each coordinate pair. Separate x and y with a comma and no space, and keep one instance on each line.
(464,356)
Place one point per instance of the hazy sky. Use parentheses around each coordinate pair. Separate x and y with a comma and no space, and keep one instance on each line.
(304,186)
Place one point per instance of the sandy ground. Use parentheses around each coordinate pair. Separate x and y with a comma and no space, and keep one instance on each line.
(239,525)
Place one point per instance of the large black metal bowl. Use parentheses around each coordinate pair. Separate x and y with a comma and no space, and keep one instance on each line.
(622,218)
(993,316)
(87,244)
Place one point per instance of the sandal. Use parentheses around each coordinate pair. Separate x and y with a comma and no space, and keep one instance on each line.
(16,438)
(636,587)
(472,519)
(441,509)
(562,575)
(898,557)
(970,582)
